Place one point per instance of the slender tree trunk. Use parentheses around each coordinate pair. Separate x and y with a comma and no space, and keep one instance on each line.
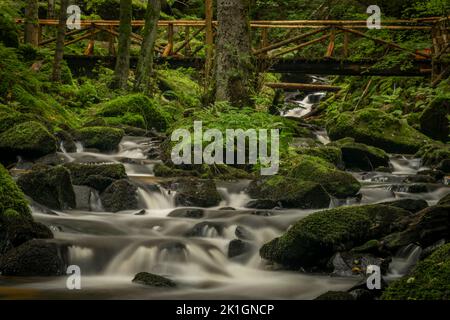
(51,9)
(144,70)
(59,51)
(233,53)
(123,51)
(32,23)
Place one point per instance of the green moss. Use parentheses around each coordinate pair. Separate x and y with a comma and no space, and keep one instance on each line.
(179,85)
(8,28)
(429,280)
(138,104)
(330,154)
(433,153)
(376,128)
(11,197)
(128,119)
(313,240)
(102,138)
(10,119)
(29,139)
(97,176)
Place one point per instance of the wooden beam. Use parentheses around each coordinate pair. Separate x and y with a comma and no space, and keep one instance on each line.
(331,45)
(188,39)
(71,33)
(88,35)
(302,86)
(169,48)
(346,43)
(305,44)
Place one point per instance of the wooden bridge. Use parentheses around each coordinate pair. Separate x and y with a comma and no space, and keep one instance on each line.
(180,48)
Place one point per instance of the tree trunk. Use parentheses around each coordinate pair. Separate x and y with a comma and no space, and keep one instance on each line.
(51,9)
(32,23)
(144,70)
(233,53)
(59,51)
(123,51)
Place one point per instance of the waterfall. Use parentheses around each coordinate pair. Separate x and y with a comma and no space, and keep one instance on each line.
(157,200)
(404,261)
(79,147)
(95,202)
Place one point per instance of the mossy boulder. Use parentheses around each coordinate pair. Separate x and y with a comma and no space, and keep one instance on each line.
(97,176)
(429,280)
(120,195)
(101,138)
(178,85)
(130,106)
(433,154)
(290,192)
(312,241)
(11,197)
(33,258)
(434,121)
(50,187)
(361,156)
(331,154)
(153,280)
(376,128)
(412,205)
(193,192)
(308,168)
(29,139)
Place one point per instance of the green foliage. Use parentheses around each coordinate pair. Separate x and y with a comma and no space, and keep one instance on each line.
(8,29)
(11,197)
(178,84)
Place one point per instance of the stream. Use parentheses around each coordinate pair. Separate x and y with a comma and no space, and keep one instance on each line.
(110,248)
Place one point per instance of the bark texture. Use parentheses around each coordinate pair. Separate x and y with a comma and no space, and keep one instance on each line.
(59,51)
(123,51)
(32,23)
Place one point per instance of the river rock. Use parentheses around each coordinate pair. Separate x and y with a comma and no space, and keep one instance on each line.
(262,204)
(243,233)
(437,175)
(97,176)
(153,280)
(434,119)
(205,229)
(187,213)
(120,195)
(66,141)
(101,138)
(346,264)
(82,197)
(195,192)
(412,205)
(376,128)
(445,201)
(51,187)
(33,258)
(289,192)
(312,241)
(237,248)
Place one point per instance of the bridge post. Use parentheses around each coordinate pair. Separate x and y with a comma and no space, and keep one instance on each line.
(441,48)
(209,37)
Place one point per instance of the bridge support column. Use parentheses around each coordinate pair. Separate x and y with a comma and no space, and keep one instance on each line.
(441,48)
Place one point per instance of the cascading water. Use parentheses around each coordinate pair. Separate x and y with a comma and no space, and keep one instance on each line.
(403,261)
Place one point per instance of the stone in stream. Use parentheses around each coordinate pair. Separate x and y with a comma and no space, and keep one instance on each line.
(412,205)
(243,233)
(237,248)
(346,264)
(445,201)
(205,229)
(120,195)
(312,241)
(153,280)
(97,176)
(187,213)
(51,187)
(33,258)
(435,174)
(289,192)
(66,141)
(101,138)
(360,156)
(444,166)
(82,197)
(193,192)
(377,128)
(262,204)
(419,178)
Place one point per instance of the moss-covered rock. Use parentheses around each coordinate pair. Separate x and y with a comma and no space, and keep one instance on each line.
(376,128)
(177,84)
(136,104)
(28,139)
(97,176)
(434,121)
(11,197)
(433,154)
(50,187)
(308,168)
(153,280)
(101,138)
(312,241)
(429,280)
(120,195)
(412,205)
(289,192)
(195,192)
(328,153)
(33,258)
(360,156)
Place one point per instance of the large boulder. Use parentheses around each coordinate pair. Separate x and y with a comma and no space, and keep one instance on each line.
(425,228)
(101,138)
(193,192)
(289,192)
(50,187)
(329,153)
(120,195)
(376,128)
(153,280)
(360,156)
(308,168)
(434,119)
(412,205)
(312,241)
(11,197)
(28,139)
(97,176)
(429,280)
(33,258)
(435,155)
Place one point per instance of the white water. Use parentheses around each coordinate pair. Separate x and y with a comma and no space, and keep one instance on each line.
(403,261)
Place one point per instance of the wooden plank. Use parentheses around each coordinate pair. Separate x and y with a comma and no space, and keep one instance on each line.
(188,40)
(300,46)
(302,86)
(331,45)
(88,35)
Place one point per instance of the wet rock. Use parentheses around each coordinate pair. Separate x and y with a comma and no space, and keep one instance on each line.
(445,201)
(328,153)
(289,192)
(360,156)
(418,188)
(238,247)
(196,193)
(376,128)
(66,141)
(346,264)
(52,159)
(335,295)
(120,195)
(243,233)
(140,213)
(205,229)
(412,205)
(50,187)
(97,176)
(101,138)
(82,197)
(430,249)
(33,258)
(153,280)
(187,213)
(444,166)
(312,241)
(434,119)
(435,174)
(262,204)
(419,179)
(435,155)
